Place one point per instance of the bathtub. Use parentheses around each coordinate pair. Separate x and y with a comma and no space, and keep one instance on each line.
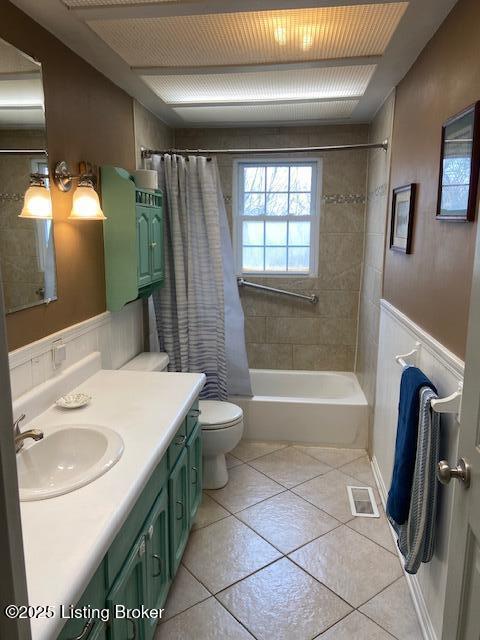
(314,407)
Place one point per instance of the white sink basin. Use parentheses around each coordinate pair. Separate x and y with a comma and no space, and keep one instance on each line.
(69,457)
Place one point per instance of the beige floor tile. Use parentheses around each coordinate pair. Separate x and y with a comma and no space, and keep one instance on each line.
(209,512)
(185,592)
(355,627)
(283,602)
(226,551)
(287,521)
(232,461)
(329,493)
(393,609)
(205,621)
(360,469)
(331,456)
(245,487)
(289,466)
(351,565)
(377,529)
(249,450)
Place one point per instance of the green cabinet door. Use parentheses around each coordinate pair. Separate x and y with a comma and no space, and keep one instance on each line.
(194,449)
(158,565)
(92,598)
(179,510)
(143,244)
(129,591)
(156,244)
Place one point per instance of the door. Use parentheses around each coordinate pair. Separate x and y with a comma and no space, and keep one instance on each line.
(462,610)
(156,244)
(143,245)
(128,592)
(158,567)
(179,512)
(194,450)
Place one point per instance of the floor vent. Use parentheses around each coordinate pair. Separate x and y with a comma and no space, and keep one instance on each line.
(362,502)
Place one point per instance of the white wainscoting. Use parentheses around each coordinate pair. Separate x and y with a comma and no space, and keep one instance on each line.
(117,336)
(398,335)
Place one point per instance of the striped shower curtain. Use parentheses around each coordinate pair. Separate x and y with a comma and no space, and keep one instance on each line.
(190,308)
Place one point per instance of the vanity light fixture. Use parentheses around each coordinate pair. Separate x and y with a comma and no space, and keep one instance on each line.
(37,204)
(86,204)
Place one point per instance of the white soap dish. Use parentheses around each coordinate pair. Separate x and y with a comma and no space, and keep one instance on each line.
(73,400)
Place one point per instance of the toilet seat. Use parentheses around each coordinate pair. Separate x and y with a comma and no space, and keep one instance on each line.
(215,414)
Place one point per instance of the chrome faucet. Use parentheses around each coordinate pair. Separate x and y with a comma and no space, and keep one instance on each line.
(34,434)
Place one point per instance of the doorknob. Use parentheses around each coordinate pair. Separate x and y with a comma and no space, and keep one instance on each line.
(462,471)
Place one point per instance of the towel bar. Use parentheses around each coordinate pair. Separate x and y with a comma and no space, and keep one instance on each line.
(402,359)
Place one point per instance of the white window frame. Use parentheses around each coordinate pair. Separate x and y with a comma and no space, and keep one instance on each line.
(313,218)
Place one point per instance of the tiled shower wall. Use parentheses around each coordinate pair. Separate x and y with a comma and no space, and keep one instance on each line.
(283,333)
(376,215)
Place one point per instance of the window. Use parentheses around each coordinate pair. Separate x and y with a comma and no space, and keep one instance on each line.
(276,217)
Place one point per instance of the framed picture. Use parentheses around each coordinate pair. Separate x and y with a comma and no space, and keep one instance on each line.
(403,205)
(459,166)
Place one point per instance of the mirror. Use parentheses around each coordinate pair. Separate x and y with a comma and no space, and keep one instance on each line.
(459,166)
(27,253)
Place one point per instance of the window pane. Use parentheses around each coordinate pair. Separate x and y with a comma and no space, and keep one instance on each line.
(298,259)
(275,259)
(277,204)
(253,233)
(253,258)
(254,178)
(300,204)
(277,178)
(299,233)
(254,204)
(300,178)
(276,233)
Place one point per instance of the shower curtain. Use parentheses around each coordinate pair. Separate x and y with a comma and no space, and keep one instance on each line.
(199,317)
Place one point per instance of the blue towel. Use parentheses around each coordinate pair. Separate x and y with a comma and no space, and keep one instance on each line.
(398,503)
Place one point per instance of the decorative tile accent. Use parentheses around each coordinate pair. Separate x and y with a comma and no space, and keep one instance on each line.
(344,198)
(283,602)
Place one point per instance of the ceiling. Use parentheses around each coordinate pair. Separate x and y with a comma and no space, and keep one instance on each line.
(248,62)
(21,90)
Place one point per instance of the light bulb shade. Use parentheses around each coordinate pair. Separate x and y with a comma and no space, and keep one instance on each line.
(37,204)
(86,205)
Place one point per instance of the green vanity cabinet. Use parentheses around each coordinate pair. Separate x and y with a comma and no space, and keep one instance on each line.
(143,559)
(178,495)
(129,591)
(132,237)
(194,452)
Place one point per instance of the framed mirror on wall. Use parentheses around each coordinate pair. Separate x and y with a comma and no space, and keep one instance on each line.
(27,251)
(459,166)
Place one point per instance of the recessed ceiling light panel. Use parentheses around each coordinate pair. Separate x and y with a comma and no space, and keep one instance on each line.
(253,37)
(301,84)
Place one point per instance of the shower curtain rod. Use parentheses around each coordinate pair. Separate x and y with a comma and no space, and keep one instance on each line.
(146,153)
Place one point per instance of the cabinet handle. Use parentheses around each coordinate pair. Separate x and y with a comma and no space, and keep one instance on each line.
(134,627)
(195,413)
(141,549)
(159,560)
(180,517)
(153,245)
(86,630)
(180,441)
(150,532)
(196,475)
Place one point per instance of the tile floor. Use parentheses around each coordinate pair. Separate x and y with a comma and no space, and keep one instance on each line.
(277,555)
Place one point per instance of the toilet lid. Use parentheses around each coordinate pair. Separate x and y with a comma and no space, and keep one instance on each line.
(218,415)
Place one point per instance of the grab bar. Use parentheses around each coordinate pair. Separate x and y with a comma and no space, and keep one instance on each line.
(313,299)
(450,404)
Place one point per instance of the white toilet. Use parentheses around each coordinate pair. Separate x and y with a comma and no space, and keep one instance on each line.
(222,429)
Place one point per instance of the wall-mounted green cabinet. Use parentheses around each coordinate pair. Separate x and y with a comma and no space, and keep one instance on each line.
(133,238)
(139,567)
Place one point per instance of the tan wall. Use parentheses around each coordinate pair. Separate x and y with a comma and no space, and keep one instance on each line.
(432,286)
(88,118)
(150,132)
(376,214)
(286,334)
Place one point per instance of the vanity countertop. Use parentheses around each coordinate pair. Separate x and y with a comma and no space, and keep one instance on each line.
(65,538)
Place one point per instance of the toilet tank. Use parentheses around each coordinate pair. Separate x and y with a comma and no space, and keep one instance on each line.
(148,362)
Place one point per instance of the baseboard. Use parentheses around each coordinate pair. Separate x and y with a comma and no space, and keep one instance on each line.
(426,625)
